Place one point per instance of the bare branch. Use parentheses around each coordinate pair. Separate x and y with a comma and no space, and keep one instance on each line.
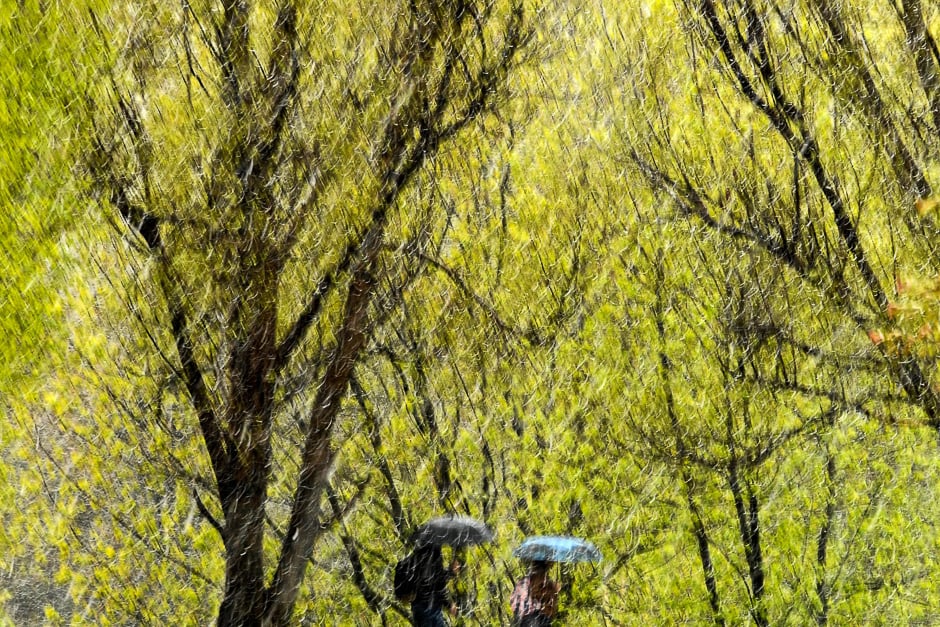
(207,514)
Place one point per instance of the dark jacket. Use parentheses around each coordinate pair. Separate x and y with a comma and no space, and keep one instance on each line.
(431,588)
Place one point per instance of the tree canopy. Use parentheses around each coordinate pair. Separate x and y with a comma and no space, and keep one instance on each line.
(285,280)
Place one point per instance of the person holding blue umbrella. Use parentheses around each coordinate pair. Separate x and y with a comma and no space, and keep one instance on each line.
(534,600)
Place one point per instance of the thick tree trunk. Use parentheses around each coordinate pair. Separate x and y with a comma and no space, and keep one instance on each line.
(244,600)
(244,479)
(317,459)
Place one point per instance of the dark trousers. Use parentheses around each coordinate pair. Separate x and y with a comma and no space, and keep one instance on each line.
(427,615)
(534,620)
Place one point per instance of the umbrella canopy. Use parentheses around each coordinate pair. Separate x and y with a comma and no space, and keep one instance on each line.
(452,531)
(557,549)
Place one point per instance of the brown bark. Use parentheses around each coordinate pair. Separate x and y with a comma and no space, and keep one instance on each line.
(244,593)
(317,458)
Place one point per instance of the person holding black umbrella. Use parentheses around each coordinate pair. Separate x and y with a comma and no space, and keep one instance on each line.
(421,577)
(427,586)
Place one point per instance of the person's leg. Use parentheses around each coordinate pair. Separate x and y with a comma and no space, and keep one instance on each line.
(425,616)
(419,615)
(535,620)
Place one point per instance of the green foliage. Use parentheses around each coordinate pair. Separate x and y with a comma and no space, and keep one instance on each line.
(636,317)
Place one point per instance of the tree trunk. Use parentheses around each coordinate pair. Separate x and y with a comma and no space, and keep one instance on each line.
(317,459)
(244,600)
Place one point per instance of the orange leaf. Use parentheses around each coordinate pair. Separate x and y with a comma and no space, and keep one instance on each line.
(900,285)
(876,337)
(923,205)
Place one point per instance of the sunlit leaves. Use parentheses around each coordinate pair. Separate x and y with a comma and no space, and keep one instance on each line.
(516,366)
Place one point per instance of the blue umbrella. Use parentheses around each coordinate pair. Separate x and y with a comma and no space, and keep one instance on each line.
(557,549)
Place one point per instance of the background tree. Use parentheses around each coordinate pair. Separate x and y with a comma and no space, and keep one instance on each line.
(801,189)
(784,143)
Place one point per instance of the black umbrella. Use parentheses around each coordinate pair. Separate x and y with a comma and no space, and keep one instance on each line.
(452,531)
